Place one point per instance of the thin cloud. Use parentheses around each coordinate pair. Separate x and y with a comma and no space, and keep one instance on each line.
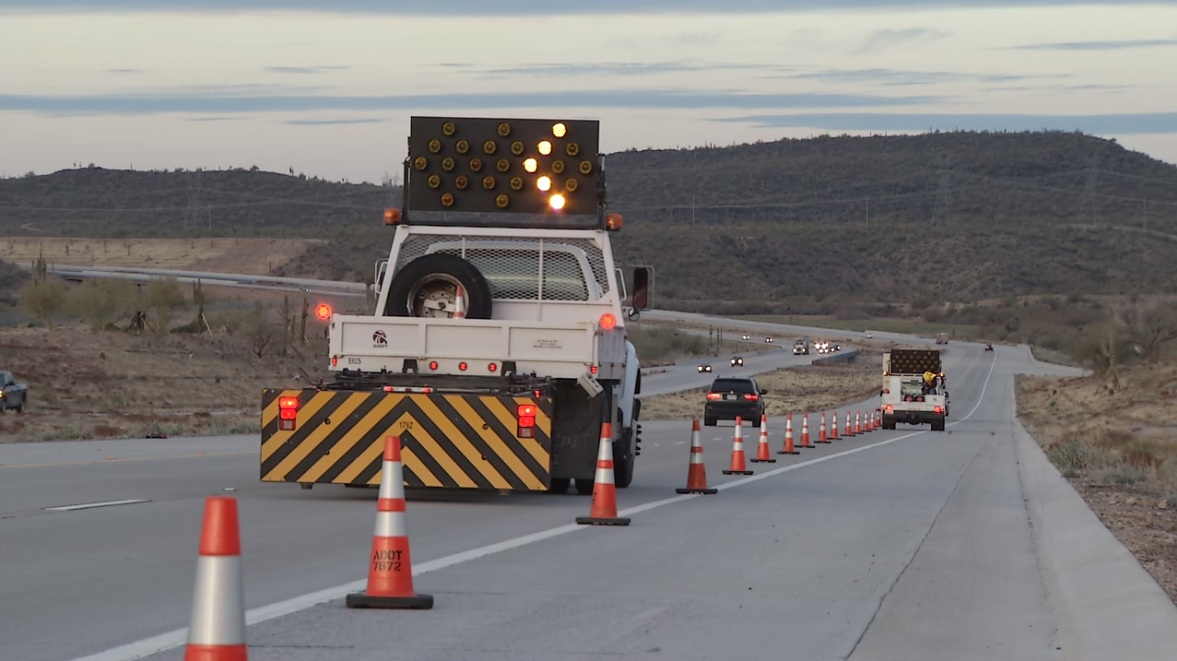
(611,69)
(903,77)
(1103,124)
(213,119)
(304,70)
(1099,45)
(453,8)
(147,104)
(331,122)
(885,40)
(122,72)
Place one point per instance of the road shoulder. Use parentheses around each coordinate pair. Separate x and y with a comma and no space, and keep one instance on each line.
(1105,605)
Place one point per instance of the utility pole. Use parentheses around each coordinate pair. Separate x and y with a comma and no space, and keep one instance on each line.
(1090,203)
(193,200)
(944,192)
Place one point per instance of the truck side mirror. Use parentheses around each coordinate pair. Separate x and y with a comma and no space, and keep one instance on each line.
(642,283)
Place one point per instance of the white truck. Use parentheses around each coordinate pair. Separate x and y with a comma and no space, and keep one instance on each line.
(801,347)
(498,347)
(907,396)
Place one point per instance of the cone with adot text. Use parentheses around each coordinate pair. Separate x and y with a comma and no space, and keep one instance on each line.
(762,451)
(738,465)
(390,569)
(697,473)
(604,510)
(217,629)
(789,449)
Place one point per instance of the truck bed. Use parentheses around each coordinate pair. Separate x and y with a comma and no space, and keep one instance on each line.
(373,344)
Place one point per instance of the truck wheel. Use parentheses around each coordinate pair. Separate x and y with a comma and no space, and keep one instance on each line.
(584,487)
(622,466)
(21,407)
(560,485)
(938,426)
(709,422)
(425,287)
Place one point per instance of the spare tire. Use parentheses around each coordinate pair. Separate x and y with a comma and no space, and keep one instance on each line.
(425,288)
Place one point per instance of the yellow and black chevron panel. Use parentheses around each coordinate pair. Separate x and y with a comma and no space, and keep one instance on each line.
(447,440)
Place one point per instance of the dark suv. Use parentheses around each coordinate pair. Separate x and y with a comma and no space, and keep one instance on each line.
(732,396)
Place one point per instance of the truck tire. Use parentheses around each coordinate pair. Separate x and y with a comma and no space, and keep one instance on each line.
(560,485)
(584,487)
(709,422)
(938,425)
(622,464)
(438,271)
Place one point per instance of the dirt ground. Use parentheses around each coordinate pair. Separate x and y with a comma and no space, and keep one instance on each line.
(85,384)
(796,390)
(229,255)
(1118,449)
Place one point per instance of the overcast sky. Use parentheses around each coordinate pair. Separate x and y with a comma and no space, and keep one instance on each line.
(287,84)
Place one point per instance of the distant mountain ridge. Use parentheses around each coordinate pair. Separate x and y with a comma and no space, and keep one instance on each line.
(952,216)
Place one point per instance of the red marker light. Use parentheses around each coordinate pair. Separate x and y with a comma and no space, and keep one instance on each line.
(323,311)
(608,321)
(433,364)
(462,366)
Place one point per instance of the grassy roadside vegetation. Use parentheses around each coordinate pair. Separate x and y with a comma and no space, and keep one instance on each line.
(811,388)
(1113,434)
(659,345)
(105,359)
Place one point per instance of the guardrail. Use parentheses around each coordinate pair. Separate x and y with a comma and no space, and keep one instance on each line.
(840,357)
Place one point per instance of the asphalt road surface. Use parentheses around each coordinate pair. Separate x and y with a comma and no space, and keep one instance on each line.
(901,544)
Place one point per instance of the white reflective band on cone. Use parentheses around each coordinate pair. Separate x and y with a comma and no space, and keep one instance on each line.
(392,480)
(391,524)
(218,602)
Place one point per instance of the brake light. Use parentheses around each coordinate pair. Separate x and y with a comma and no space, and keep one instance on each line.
(334,361)
(939,409)
(593,369)
(752,397)
(713,395)
(608,321)
(526,414)
(890,408)
(287,413)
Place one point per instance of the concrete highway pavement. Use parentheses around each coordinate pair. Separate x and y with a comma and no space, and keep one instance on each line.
(896,544)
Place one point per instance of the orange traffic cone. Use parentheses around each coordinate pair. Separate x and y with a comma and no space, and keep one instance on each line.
(604,510)
(762,452)
(217,628)
(821,430)
(878,419)
(857,423)
(459,304)
(834,426)
(849,430)
(805,430)
(390,569)
(697,473)
(789,449)
(738,467)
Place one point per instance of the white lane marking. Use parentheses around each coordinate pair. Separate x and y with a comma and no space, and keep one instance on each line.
(86,506)
(679,442)
(173,639)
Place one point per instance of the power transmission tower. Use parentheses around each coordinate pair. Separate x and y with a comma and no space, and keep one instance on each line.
(1090,205)
(943,205)
(194,210)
